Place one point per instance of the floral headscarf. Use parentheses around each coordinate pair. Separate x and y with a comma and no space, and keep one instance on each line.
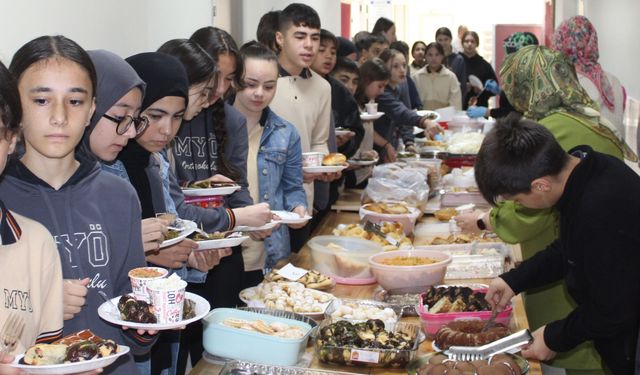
(539,81)
(517,40)
(578,40)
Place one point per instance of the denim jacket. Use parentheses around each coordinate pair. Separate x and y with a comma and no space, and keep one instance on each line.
(280,178)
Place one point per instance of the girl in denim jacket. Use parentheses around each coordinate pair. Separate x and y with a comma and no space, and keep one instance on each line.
(274,164)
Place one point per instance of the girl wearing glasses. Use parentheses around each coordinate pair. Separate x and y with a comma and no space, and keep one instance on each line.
(94,217)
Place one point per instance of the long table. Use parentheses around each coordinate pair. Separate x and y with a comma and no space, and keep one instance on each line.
(303,259)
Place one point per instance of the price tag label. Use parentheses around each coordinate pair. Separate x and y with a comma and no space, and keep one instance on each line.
(292,272)
(365,356)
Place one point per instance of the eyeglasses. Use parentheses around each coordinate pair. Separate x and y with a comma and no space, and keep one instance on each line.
(125,122)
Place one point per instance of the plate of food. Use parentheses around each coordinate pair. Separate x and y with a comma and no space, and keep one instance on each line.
(312,279)
(218,240)
(172,237)
(208,188)
(365,158)
(431,115)
(475,82)
(287,217)
(433,363)
(80,352)
(330,163)
(364,116)
(289,296)
(129,312)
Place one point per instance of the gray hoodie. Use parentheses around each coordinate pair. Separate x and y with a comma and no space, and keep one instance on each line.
(95,221)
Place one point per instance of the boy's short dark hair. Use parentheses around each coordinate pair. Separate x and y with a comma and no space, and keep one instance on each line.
(298,15)
(400,46)
(344,64)
(515,153)
(328,36)
(365,41)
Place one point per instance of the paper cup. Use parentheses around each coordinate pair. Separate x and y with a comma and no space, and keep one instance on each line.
(312,159)
(372,108)
(141,276)
(167,299)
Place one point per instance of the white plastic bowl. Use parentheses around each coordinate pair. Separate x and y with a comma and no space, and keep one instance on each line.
(352,262)
(410,279)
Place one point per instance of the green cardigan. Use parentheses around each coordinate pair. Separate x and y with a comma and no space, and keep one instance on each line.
(535,229)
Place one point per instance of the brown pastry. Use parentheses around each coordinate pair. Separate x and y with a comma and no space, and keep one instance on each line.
(335,158)
(445,214)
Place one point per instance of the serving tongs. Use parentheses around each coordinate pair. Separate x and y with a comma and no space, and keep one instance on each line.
(375,229)
(468,353)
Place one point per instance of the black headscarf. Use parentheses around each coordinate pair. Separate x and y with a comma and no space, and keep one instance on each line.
(165,76)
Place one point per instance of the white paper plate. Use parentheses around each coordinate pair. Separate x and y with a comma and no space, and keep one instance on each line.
(342,131)
(417,130)
(70,368)
(363,162)
(199,192)
(187,226)
(369,117)
(260,303)
(106,312)
(223,242)
(426,112)
(290,217)
(244,228)
(324,169)
(475,81)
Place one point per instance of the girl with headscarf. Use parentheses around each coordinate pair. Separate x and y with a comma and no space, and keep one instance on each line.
(542,85)
(577,39)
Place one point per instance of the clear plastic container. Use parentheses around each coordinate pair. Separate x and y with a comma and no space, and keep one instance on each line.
(408,221)
(370,357)
(472,261)
(410,279)
(348,260)
(431,322)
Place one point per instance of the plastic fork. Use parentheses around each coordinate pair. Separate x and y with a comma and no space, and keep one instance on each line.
(11,332)
(468,353)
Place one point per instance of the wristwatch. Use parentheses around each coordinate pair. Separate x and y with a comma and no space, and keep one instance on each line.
(480,223)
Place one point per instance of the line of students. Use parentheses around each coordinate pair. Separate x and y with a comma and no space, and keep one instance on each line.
(107,142)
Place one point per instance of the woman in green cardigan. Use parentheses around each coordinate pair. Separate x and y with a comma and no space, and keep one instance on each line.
(543,86)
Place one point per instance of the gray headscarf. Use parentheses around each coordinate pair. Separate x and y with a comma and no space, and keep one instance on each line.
(115,79)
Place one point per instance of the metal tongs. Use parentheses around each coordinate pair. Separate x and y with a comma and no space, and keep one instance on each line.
(375,229)
(468,353)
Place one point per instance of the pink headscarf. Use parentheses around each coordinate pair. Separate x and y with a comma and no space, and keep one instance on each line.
(577,39)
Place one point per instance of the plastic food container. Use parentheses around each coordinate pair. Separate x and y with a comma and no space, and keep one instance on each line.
(212,201)
(379,307)
(410,279)
(235,343)
(370,357)
(460,160)
(408,221)
(471,261)
(431,323)
(350,263)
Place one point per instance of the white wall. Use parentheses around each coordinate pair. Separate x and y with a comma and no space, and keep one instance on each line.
(125,27)
(252,10)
